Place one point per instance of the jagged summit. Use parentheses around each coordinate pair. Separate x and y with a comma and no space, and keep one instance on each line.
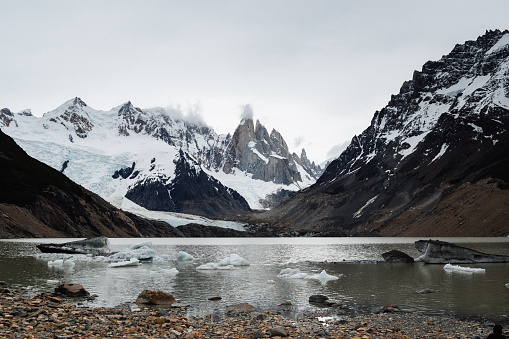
(442,138)
(266,156)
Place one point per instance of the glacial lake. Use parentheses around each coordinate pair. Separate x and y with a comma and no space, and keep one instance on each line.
(363,279)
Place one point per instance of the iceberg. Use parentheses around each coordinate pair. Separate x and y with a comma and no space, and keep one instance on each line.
(183,256)
(61,263)
(93,246)
(292,273)
(235,260)
(295,273)
(215,266)
(142,252)
(58,262)
(227,263)
(130,262)
(461,269)
(323,277)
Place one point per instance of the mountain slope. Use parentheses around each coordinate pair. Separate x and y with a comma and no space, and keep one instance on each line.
(433,162)
(36,200)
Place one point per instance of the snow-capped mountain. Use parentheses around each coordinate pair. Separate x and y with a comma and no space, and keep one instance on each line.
(434,161)
(161,162)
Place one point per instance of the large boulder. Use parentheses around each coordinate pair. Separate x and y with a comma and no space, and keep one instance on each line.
(441,252)
(155,298)
(395,256)
(71,290)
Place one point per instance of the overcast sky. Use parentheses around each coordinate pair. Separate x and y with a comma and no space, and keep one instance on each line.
(314,70)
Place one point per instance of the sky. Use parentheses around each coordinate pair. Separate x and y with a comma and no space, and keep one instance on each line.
(315,70)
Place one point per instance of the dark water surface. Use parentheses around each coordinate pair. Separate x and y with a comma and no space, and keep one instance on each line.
(362,278)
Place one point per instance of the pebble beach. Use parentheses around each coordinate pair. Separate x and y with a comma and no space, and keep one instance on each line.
(49,315)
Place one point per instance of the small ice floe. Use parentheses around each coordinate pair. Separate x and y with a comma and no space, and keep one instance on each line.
(235,260)
(228,263)
(142,252)
(54,282)
(507,285)
(215,266)
(295,273)
(183,256)
(171,271)
(61,263)
(292,273)
(130,262)
(461,269)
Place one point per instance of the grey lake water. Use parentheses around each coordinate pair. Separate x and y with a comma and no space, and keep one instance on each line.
(363,279)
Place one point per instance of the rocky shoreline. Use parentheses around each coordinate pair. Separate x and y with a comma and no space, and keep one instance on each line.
(48,315)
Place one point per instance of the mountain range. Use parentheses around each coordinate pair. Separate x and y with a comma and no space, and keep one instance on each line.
(433,162)
(154,159)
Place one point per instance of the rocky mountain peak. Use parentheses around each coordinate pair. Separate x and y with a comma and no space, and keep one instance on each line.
(443,137)
(130,119)
(6,118)
(78,102)
(73,116)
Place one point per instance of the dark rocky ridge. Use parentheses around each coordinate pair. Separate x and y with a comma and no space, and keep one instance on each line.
(191,191)
(455,182)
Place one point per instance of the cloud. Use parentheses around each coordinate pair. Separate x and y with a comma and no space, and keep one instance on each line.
(192,116)
(336,150)
(247,112)
(298,141)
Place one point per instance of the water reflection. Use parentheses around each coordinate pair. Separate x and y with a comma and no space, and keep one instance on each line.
(368,283)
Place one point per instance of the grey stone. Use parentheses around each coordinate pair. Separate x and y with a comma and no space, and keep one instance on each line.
(395,256)
(278,332)
(441,252)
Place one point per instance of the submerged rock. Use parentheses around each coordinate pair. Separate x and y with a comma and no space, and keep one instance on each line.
(427,291)
(318,298)
(441,252)
(240,308)
(71,290)
(155,298)
(395,256)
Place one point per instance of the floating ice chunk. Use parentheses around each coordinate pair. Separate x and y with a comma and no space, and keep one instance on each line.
(58,262)
(131,262)
(49,281)
(323,277)
(183,256)
(461,269)
(295,273)
(227,263)
(170,271)
(507,285)
(292,273)
(69,263)
(143,251)
(235,260)
(215,266)
(208,266)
